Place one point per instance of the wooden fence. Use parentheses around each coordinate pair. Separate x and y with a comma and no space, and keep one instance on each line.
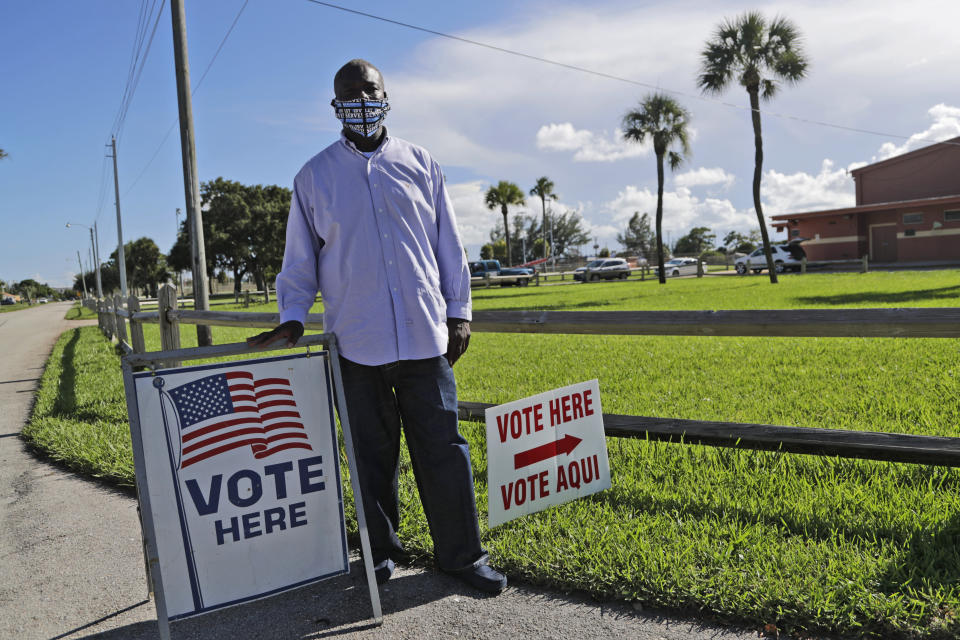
(872,323)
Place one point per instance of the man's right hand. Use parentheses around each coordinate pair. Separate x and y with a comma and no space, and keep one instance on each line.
(291,331)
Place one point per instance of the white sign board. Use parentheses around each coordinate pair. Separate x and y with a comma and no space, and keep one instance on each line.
(545,450)
(242,469)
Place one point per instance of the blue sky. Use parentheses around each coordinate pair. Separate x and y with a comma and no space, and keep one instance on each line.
(263,109)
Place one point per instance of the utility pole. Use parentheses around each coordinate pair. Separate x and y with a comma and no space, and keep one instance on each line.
(116,190)
(82,279)
(191,180)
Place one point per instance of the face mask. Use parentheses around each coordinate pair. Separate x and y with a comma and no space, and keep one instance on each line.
(361,116)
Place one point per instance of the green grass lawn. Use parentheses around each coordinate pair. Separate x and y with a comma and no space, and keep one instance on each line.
(80,312)
(812,545)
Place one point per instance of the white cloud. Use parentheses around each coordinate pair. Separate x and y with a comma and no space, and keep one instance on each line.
(797,192)
(587,145)
(704,177)
(946,125)
(681,211)
(474,220)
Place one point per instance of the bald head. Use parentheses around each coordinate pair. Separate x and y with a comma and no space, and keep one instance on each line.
(358,79)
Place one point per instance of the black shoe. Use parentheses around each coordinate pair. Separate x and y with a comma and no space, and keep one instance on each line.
(483,578)
(384,570)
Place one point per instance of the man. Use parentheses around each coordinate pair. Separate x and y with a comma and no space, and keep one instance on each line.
(371,226)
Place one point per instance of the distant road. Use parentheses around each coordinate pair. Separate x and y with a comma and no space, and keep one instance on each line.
(71,564)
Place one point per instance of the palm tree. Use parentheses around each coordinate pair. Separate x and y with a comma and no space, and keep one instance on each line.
(502,195)
(664,121)
(760,56)
(544,189)
(3,154)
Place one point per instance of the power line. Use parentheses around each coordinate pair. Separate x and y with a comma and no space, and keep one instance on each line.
(137,62)
(610,76)
(194,92)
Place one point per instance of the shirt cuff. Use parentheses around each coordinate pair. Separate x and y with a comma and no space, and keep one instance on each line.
(300,315)
(458,309)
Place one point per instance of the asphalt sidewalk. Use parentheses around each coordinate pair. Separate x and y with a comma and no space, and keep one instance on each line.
(72,565)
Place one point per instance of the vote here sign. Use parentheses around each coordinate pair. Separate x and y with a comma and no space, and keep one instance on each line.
(545,450)
(242,469)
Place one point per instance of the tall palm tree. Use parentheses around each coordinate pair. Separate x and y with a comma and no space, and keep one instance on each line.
(544,189)
(502,195)
(664,121)
(760,56)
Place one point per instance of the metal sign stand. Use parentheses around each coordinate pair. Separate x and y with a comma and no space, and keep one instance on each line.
(164,359)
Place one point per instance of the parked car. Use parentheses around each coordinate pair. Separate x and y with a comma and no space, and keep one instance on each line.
(785,257)
(680,267)
(606,269)
(43,301)
(6,301)
(517,276)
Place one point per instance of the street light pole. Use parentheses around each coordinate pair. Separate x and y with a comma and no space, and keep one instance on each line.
(95,249)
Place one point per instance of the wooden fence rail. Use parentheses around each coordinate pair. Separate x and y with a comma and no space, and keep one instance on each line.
(890,323)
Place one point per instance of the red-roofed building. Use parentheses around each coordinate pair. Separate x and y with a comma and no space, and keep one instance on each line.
(908,210)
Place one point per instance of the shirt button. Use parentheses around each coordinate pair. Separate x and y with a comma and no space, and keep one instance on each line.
(389,261)
(386,235)
(380,210)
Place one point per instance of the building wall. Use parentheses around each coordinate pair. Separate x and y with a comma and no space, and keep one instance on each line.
(831,237)
(850,236)
(929,174)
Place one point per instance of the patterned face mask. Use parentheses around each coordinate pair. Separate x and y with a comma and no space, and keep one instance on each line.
(361,116)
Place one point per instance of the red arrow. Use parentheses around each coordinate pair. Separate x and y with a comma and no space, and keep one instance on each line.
(546,451)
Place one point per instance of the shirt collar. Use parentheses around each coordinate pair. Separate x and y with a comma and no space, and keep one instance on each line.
(349,143)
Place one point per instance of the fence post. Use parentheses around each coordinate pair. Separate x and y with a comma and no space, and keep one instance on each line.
(136,327)
(169,331)
(109,319)
(536,278)
(803,264)
(699,267)
(118,319)
(246,299)
(266,293)
(863,267)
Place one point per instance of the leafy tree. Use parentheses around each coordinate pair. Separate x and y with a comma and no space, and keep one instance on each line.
(503,195)
(544,190)
(698,240)
(486,251)
(568,233)
(146,266)
(227,213)
(740,243)
(664,121)
(638,238)
(604,253)
(760,56)
(109,279)
(31,289)
(180,257)
(269,208)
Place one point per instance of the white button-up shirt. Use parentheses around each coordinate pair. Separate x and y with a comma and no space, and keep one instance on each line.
(378,238)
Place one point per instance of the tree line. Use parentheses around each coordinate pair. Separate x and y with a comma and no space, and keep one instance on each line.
(757,54)
(244,232)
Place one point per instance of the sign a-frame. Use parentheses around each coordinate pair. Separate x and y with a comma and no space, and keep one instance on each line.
(238,476)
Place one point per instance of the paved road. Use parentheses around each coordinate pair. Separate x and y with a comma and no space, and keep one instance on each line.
(72,567)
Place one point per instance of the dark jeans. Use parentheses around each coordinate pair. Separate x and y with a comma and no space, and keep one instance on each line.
(419,396)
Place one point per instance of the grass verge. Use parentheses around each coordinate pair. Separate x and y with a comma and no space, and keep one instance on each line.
(811,545)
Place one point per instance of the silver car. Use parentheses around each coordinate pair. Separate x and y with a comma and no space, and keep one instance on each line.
(605,269)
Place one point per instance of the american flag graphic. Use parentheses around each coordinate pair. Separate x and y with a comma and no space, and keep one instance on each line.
(226,411)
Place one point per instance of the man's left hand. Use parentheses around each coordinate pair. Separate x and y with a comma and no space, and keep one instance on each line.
(458,330)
